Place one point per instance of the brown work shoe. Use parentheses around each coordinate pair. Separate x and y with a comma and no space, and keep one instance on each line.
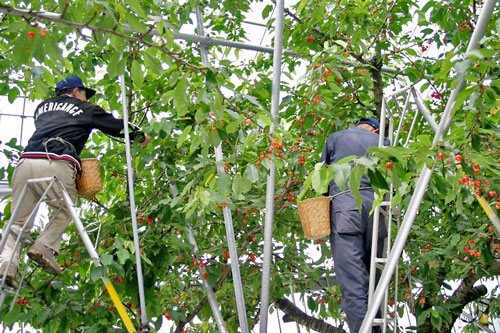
(44,257)
(10,278)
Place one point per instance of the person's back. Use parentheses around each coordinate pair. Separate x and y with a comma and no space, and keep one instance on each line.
(353,141)
(351,230)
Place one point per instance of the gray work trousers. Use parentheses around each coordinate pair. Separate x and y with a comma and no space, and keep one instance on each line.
(351,238)
(51,237)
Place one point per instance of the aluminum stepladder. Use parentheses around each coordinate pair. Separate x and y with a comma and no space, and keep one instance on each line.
(425,175)
(50,185)
(386,207)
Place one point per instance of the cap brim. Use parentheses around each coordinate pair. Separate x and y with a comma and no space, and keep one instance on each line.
(89,92)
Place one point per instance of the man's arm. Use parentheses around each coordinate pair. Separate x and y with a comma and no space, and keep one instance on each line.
(105,122)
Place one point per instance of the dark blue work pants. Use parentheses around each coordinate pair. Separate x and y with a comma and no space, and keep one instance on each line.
(351,239)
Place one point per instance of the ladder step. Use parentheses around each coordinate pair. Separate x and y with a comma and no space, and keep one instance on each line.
(381,260)
(378,322)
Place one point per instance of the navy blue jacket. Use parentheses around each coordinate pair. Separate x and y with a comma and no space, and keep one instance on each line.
(353,141)
(72,120)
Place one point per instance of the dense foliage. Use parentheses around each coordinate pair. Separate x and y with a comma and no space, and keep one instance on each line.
(189,109)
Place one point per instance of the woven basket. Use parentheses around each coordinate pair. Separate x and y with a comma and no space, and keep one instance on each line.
(314,215)
(89,181)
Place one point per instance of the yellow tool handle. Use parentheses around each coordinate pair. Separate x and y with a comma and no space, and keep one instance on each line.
(118,304)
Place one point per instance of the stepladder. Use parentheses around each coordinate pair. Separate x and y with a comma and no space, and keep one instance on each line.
(52,191)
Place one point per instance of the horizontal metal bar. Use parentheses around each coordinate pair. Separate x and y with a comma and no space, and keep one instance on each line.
(256,23)
(15,115)
(40,180)
(397,92)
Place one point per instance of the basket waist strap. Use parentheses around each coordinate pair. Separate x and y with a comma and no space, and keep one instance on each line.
(348,191)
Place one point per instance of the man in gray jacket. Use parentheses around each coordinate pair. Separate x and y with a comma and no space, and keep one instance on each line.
(351,232)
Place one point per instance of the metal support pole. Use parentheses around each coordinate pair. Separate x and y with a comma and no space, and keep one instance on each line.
(424,110)
(13,217)
(130,177)
(423,180)
(214,305)
(271,178)
(228,219)
(212,300)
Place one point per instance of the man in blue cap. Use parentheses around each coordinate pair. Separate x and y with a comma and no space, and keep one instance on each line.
(63,124)
(351,232)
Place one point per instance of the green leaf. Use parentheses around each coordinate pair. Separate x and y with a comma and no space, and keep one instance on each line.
(354,182)
(436,320)
(377,180)
(106,259)
(97,273)
(340,174)
(152,63)
(306,186)
(183,136)
(137,7)
(204,197)
(135,23)
(252,173)
(241,185)
(123,255)
(223,185)
(116,65)
(180,102)
(137,74)
(321,177)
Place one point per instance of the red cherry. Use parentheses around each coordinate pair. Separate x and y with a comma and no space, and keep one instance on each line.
(458,158)
(388,165)
(490,228)
(476,166)
(316,100)
(257,163)
(472,271)
(441,156)
(248,121)
(491,193)
(31,34)
(43,32)
(478,192)
(471,242)
(310,39)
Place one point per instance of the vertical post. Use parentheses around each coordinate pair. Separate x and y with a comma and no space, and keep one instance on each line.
(423,180)
(214,305)
(130,177)
(271,178)
(228,219)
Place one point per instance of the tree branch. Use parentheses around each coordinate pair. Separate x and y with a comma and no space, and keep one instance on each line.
(293,313)
(39,16)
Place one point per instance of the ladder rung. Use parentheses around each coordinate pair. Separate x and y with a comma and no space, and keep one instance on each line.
(381,260)
(378,322)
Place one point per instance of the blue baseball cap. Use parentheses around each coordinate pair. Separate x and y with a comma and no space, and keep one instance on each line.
(370,121)
(73,81)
